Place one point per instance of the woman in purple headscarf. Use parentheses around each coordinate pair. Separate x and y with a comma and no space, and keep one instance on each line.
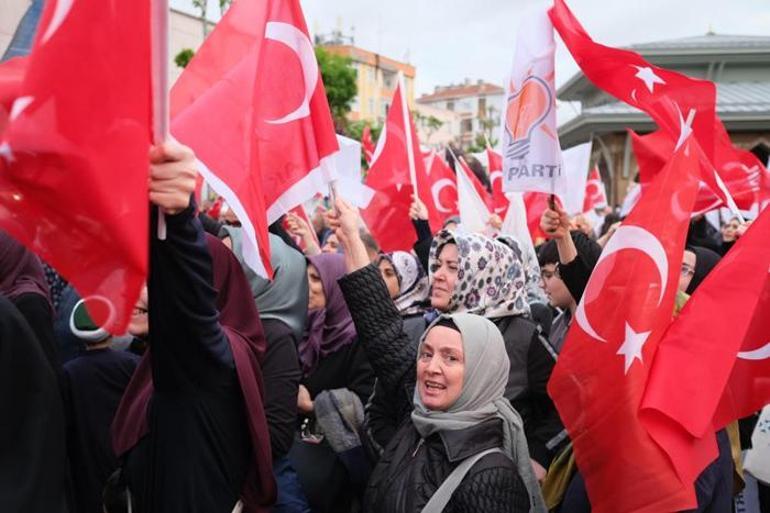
(337,380)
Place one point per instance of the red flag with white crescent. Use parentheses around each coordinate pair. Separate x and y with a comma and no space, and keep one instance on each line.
(443,187)
(595,196)
(390,175)
(73,155)
(252,105)
(723,368)
(495,169)
(367,145)
(599,379)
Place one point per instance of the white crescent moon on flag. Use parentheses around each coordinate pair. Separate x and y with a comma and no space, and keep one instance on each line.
(762,353)
(496,175)
(299,43)
(436,191)
(19,105)
(627,237)
(60,12)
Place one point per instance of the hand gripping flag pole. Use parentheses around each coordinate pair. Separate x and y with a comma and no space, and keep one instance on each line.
(160,109)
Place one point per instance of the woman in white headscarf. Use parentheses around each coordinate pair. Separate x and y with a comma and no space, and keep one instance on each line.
(463,446)
(406,281)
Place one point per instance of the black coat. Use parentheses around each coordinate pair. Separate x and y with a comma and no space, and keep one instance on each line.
(412,469)
(391,346)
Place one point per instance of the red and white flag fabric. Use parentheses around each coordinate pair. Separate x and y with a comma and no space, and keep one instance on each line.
(596,195)
(11,79)
(696,370)
(397,164)
(535,204)
(598,382)
(474,211)
(252,105)
(739,170)
(443,187)
(530,144)
(367,145)
(678,104)
(73,156)
(495,170)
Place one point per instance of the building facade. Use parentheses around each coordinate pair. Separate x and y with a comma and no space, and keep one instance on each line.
(738,65)
(377,77)
(478,105)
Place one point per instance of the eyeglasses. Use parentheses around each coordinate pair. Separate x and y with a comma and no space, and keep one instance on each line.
(687,270)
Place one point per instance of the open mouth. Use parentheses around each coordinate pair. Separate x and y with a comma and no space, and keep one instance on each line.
(139,311)
(432,385)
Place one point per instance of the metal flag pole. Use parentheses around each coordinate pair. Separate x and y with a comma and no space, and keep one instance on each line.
(160,109)
(410,156)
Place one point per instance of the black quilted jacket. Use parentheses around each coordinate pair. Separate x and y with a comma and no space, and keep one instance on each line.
(411,470)
(391,348)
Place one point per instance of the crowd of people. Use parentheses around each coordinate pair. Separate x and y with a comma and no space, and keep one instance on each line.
(354,380)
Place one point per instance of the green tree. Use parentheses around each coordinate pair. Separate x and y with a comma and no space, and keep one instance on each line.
(339,77)
(183,58)
(223,6)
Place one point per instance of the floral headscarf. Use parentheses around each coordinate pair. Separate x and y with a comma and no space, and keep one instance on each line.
(490,279)
(535,293)
(412,282)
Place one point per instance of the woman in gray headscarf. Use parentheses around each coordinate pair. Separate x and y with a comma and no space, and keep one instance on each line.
(463,447)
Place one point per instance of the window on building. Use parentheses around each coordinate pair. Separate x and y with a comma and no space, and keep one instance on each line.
(450,106)
(355,106)
(466,126)
(482,108)
(372,110)
(390,80)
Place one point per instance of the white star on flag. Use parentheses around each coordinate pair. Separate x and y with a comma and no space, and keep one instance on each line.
(632,346)
(646,75)
(6,152)
(685,126)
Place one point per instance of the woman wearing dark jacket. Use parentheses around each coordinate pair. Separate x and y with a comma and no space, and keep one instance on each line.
(337,380)
(191,427)
(469,273)
(462,447)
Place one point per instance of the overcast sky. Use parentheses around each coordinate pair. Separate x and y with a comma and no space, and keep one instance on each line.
(448,40)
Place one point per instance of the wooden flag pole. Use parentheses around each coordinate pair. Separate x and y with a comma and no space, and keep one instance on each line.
(160,108)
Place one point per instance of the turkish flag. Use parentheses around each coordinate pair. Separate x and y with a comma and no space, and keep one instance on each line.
(535,204)
(738,169)
(367,145)
(595,196)
(495,169)
(252,105)
(443,187)
(748,387)
(598,382)
(387,215)
(73,157)
(693,365)
(666,96)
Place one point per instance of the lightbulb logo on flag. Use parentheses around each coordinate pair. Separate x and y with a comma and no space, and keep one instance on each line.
(528,106)
(531,154)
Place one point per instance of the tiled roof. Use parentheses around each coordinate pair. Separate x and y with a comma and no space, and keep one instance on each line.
(708,41)
(461,91)
(747,97)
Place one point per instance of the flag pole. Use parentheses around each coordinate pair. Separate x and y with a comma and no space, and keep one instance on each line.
(408,135)
(160,109)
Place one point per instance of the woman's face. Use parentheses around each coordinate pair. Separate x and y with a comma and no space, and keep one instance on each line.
(445,277)
(331,245)
(139,325)
(441,368)
(729,229)
(391,278)
(688,269)
(316,298)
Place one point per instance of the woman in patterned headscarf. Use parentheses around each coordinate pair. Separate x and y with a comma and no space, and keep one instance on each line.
(406,281)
